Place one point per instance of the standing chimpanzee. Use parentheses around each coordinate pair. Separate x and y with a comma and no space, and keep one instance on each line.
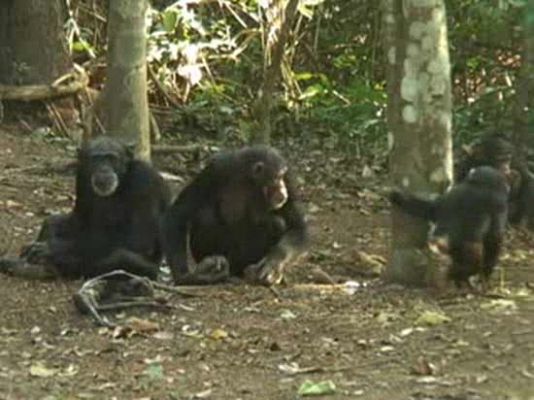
(497,151)
(494,150)
(469,221)
(115,223)
(242,219)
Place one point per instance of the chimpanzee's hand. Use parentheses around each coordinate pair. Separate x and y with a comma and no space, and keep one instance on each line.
(268,271)
(36,253)
(213,267)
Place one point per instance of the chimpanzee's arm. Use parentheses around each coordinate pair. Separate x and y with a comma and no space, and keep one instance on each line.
(139,252)
(415,206)
(176,222)
(288,250)
(127,260)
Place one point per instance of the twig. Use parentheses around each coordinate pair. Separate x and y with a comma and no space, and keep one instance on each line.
(275,291)
(161,88)
(87,299)
(58,119)
(131,304)
(182,290)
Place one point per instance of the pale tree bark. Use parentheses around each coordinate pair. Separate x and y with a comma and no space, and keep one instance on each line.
(273,58)
(126,101)
(419,122)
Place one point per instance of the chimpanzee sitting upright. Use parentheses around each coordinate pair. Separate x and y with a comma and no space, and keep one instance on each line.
(115,223)
(241,217)
(469,221)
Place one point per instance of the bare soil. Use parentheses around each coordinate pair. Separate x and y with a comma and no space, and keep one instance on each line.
(245,342)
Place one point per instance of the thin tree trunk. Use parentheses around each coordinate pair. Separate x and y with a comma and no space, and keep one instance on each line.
(126,88)
(263,105)
(419,120)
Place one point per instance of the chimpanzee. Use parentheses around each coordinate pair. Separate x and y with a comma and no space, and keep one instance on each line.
(242,219)
(469,221)
(494,150)
(115,222)
(497,151)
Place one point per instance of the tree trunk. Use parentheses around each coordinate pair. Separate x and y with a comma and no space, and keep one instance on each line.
(419,121)
(524,118)
(126,88)
(33,48)
(273,57)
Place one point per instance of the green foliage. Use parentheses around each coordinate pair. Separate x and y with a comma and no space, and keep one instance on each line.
(353,112)
(208,56)
(490,113)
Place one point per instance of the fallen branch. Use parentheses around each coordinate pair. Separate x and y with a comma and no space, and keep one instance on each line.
(69,83)
(103,294)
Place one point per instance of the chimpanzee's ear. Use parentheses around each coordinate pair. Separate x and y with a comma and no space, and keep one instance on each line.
(258,168)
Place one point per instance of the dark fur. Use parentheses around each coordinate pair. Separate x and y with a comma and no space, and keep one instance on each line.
(471,217)
(103,233)
(226,213)
(496,150)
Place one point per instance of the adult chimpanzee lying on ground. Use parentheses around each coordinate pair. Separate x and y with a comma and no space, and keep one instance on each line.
(115,223)
(469,221)
(241,217)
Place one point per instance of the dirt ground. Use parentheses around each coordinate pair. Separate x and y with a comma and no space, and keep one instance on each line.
(375,341)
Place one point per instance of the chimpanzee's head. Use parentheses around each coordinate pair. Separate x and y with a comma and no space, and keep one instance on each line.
(268,171)
(106,161)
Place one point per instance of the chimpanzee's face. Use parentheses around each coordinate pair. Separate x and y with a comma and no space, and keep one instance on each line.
(270,176)
(106,161)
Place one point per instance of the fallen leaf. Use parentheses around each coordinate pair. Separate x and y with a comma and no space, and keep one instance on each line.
(406,332)
(499,305)
(309,388)
(218,334)
(12,204)
(142,325)
(120,332)
(386,349)
(163,335)
(71,370)
(35,330)
(432,318)
(287,315)
(385,318)
(40,370)
(369,264)
(203,395)
(290,369)
(424,367)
